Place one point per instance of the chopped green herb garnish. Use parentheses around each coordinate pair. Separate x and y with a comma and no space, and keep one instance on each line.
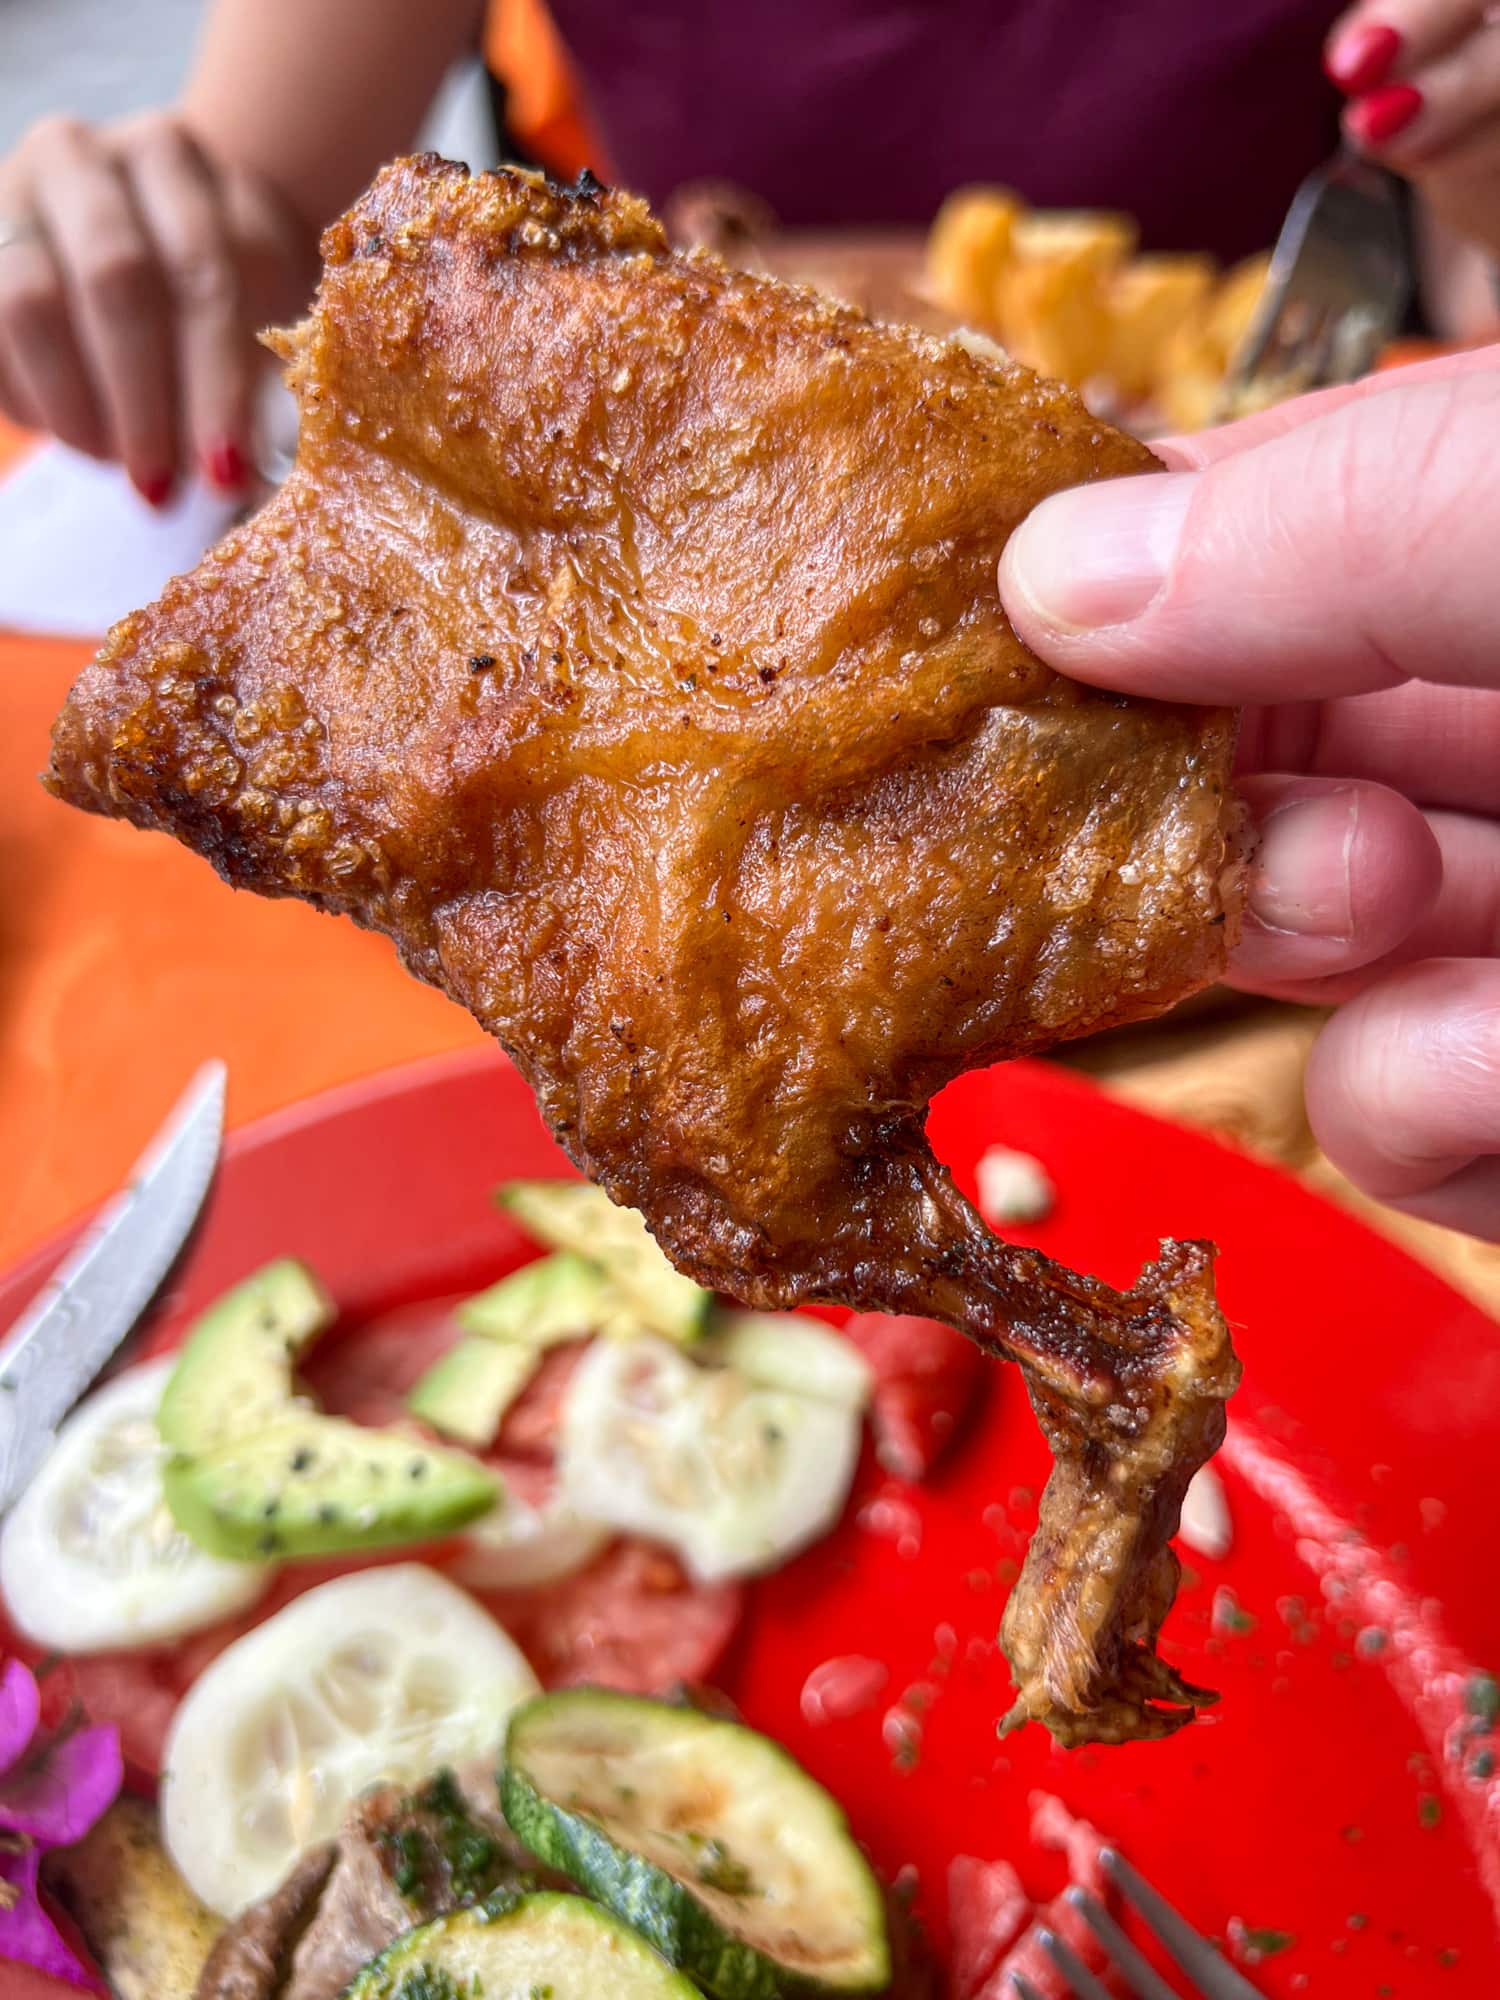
(458,1847)
(718,1869)
(1429,1810)
(430,1982)
(1372,1640)
(1482,1698)
(1447,1956)
(1228,1613)
(1266,1943)
(1357,1920)
(1482,1764)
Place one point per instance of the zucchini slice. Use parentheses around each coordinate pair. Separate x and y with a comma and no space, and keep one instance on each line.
(703,1836)
(508,1949)
(575,1215)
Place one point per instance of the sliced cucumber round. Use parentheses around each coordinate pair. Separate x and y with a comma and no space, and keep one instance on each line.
(560,1946)
(703,1836)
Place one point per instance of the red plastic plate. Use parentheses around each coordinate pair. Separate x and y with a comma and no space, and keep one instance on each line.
(1340,1795)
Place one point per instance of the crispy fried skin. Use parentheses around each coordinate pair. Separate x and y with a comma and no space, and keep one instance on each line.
(626,645)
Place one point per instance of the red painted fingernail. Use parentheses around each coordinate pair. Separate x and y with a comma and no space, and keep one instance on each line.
(155,491)
(225,466)
(1378,117)
(1361,57)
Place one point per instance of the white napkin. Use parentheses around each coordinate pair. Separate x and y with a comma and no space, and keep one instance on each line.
(79,547)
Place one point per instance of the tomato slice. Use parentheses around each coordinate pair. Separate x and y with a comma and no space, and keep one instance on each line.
(928,1380)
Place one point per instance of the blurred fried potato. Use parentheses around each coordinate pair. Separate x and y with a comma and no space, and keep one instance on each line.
(1148,300)
(146,1929)
(1064,291)
(1055,317)
(968,249)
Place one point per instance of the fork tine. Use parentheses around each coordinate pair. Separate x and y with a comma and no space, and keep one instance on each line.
(1143,1979)
(1193,1953)
(1072,1967)
(1024,1986)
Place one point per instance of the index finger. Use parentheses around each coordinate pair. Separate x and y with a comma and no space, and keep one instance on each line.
(1422,28)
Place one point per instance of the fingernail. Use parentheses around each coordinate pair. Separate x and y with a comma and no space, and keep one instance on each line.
(1301,878)
(156,490)
(225,466)
(1097,555)
(1361,57)
(1377,118)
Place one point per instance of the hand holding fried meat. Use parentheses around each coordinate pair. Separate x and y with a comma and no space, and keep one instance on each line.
(625,645)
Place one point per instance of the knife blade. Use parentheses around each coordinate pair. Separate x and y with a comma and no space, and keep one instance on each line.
(80,1317)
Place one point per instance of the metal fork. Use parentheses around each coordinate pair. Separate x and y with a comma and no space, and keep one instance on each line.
(1215,1978)
(1336,292)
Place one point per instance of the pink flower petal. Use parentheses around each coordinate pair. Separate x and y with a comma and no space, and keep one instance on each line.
(20,1710)
(64,1788)
(28,1935)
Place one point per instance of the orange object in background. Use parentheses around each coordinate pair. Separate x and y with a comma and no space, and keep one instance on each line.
(124,962)
(544,107)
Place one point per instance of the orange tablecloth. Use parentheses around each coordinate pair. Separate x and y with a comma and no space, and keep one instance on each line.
(124,961)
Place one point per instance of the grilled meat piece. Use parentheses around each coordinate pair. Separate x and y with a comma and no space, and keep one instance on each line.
(625,645)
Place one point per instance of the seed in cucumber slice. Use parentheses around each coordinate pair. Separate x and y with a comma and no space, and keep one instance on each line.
(518,1949)
(466,1394)
(235,1368)
(313,1485)
(576,1216)
(705,1837)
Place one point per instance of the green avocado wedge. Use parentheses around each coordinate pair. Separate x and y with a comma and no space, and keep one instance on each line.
(466,1393)
(706,1838)
(312,1485)
(255,1471)
(236,1364)
(518,1949)
(576,1216)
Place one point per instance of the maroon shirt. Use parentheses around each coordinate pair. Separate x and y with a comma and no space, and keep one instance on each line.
(1198,117)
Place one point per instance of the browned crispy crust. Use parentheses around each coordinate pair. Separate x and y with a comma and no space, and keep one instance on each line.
(626,645)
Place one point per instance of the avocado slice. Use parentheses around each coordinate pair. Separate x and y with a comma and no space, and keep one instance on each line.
(466,1394)
(235,1369)
(562,1297)
(257,1471)
(576,1216)
(314,1485)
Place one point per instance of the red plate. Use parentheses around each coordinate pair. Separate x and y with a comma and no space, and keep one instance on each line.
(1340,1794)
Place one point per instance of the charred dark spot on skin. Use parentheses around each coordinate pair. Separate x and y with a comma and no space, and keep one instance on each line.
(480,663)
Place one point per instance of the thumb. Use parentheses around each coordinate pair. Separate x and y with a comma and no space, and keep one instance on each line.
(1355,551)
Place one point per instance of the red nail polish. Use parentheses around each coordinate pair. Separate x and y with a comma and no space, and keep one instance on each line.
(1379,116)
(226,467)
(1362,57)
(155,491)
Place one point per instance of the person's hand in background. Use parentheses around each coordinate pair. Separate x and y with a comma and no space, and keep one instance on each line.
(1334,565)
(1423,80)
(138,261)
(134,277)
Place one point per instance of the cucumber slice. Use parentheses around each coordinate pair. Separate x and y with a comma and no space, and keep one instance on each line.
(573,1215)
(467,1393)
(705,1837)
(235,1368)
(558,1946)
(562,1297)
(735,1476)
(792,1351)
